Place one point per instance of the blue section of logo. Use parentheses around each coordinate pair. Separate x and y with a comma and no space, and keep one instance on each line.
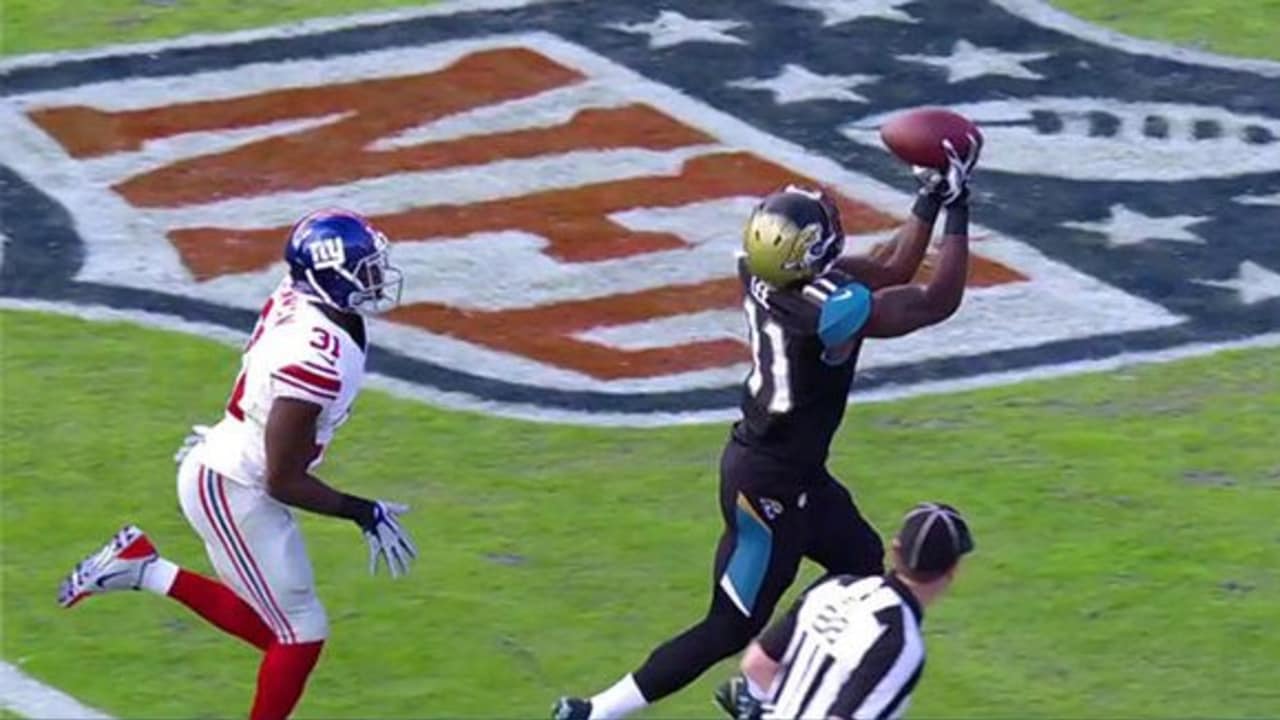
(1195,229)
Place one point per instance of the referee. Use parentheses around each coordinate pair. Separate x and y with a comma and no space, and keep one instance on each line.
(851,648)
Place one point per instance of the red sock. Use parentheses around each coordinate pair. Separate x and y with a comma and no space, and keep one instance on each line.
(282,678)
(219,604)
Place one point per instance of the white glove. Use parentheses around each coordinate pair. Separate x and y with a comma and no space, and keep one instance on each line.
(388,540)
(190,442)
(950,184)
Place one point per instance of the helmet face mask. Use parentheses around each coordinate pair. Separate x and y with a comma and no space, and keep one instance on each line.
(338,258)
(379,282)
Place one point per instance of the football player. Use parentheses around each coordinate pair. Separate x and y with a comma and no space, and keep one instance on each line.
(808,312)
(237,481)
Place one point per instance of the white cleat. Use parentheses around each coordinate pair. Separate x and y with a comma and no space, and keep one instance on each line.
(118,566)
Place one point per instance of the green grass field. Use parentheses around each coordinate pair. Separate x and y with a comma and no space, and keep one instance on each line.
(1128,547)
(1125,521)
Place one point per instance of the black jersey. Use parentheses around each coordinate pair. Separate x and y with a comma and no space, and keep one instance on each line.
(793,400)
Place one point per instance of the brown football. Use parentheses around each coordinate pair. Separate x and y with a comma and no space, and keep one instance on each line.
(916,135)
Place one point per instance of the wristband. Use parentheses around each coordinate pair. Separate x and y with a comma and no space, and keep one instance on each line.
(957,219)
(927,207)
(358,510)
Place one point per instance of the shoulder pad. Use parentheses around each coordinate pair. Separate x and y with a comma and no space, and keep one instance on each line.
(844,312)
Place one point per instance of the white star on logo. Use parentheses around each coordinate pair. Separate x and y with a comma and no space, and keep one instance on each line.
(797,84)
(1127,227)
(1272,199)
(671,28)
(835,12)
(1253,282)
(968,61)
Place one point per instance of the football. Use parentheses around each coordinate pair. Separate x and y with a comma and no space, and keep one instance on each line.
(916,135)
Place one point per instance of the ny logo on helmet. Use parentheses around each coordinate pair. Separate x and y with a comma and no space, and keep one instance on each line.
(327,253)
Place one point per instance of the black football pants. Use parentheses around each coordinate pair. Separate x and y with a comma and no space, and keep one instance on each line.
(773,517)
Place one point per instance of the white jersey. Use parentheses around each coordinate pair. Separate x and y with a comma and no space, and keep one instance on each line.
(296,351)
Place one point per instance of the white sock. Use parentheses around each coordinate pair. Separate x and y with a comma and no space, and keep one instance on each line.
(756,691)
(158,576)
(618,701)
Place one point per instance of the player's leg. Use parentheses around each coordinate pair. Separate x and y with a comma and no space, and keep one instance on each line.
(262,556)
(288,663)
(130,562)
(219,602)
(756,560)
(841,540)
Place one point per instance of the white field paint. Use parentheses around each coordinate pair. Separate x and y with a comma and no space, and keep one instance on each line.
(1046,15)
(24,695)
(128,245)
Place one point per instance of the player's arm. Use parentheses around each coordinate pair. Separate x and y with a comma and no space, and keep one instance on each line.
(903,309)
(854,313)
(845,318)
(900,309)
(759,668)
(290,445)
(897,263)
(763,659)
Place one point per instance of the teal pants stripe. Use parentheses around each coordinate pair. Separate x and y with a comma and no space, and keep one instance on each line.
(750,560)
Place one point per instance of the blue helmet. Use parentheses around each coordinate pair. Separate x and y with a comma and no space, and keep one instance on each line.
(337,257)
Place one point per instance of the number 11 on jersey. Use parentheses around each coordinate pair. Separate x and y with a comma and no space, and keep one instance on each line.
(768,356)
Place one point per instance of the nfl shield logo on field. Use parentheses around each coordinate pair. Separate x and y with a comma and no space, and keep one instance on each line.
(565,184)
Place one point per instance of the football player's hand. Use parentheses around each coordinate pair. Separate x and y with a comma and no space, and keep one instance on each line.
(387,540)
(960,169)
(190,442)
(951,184)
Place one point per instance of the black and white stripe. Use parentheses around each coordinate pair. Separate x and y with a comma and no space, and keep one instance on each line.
(863,667)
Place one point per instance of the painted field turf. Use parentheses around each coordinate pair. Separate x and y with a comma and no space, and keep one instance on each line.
(1126,559)
(1127,553)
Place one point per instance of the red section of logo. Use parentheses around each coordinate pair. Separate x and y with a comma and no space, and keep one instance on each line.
(577,222)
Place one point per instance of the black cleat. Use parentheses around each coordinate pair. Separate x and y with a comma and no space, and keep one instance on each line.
(733,697)
(571,708)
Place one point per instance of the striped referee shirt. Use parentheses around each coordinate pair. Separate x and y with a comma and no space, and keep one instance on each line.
(850,648)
